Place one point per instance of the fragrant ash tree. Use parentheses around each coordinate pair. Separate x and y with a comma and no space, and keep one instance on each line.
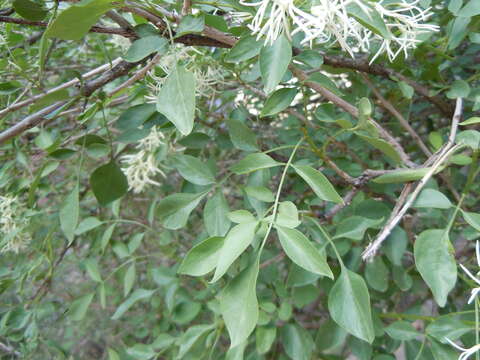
(236,179)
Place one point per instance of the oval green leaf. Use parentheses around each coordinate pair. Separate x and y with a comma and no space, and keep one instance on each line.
(202,258)
(435,263)
(349,305)
(319,183)
(302,252)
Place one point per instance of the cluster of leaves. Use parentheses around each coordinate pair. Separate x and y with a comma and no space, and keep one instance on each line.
(251,246)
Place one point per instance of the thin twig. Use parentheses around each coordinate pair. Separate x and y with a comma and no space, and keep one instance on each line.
(391,109)
(120,20)
(187,7)
(440,157)
(68,84)
(137,76)
(95,29)
(122,68)
(9,350)
(272,260)
(363,65)
(30,121)
(352,110)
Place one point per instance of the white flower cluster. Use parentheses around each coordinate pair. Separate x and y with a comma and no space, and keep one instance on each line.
(467,352)
(206,77)
(141,167)
(13,223)
(332,21)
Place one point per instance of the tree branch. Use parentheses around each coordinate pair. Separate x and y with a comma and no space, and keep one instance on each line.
(362,65)
(95,29)
(68,84)
(399,211)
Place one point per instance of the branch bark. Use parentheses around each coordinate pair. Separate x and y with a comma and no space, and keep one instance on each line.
(403,203)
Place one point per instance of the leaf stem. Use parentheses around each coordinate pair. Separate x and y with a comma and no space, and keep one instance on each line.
(277,197)
(330,241)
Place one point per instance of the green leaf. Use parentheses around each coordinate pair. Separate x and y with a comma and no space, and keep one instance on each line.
(193,170)
(242,137)
(176,99)
(436,139)
(443,352)
(319,183)
(112,354)
(401,278)
(135,116)
(190,24)
(469,137)
(326,82)
(79,307)
(191,337)
(354,227)
(215,215)
(435,262)
(264,338)
(245,49)
(239,305)
(471,8)
(383,146)
(401,176)
(260,193)
(297,342)
(254,162)
(278,101)
(93,271)
(310,58)
(395,245)
(69,214)
(454,6)
(135,242)
(195,140)
(450,327)
(75,21)
(371,20)
(287,215)
(330,336)
(141,352)
(401,330)
(349,305)
(406,89)
(471,121)
(87,224)
(473,219)
(202,258)
(108,183)
(173,211)
(376,274)
(360,349)
(137,295)
(431,198)
(143,47)
(163,341)
(274,61)
(107,235)
(302,252)
(459,89)
(241,216)
(457,31)
(236,241)
(216,21)
(29,10)
(129,279)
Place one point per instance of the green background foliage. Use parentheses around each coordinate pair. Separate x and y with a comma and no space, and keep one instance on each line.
(276,166)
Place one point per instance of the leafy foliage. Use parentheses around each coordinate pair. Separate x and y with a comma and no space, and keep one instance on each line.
(239,180)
